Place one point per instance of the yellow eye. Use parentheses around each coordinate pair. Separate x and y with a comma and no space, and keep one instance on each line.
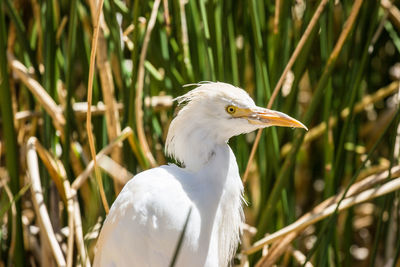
(230,109)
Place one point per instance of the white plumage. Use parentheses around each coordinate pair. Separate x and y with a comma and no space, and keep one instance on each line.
(148,217)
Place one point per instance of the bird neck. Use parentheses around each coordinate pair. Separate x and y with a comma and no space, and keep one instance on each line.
(193,143)
(225,187)
(206,155)
(201,151)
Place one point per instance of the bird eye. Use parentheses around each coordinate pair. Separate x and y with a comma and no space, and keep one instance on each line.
(230,109)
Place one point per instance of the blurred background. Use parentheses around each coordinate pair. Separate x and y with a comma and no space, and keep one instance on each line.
(344,85)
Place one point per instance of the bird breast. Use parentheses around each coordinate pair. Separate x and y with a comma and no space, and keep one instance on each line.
(148,217)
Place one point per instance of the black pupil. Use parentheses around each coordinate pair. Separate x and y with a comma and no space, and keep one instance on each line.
(230,109)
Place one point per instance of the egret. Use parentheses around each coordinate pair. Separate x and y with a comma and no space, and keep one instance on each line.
(146,220)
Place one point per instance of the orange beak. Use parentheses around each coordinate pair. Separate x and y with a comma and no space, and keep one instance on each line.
(267,117)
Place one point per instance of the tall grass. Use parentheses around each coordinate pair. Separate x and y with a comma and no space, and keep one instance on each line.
(341,80)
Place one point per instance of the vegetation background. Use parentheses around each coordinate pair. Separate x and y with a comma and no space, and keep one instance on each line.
(336,64)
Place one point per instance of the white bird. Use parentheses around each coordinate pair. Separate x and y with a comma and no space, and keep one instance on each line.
(147,218)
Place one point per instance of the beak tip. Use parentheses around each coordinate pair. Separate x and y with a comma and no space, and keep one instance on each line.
(300,125)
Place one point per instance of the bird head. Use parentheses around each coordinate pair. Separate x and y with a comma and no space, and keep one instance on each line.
(214,112)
